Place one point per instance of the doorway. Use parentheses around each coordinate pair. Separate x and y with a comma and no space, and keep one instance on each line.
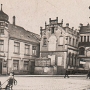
(0,66)
(32,67)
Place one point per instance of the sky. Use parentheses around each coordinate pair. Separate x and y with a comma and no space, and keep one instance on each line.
(32,14)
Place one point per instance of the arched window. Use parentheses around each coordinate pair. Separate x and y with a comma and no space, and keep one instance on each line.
(44,41)
(81,51)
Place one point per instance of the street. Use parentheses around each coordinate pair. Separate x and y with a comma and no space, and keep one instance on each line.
(49,83)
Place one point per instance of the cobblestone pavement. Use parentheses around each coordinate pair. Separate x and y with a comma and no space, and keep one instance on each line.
(50,83)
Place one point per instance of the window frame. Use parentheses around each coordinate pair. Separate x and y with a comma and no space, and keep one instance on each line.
(27,48)
(17,46)
(2,45)
(2,31)
(34,49)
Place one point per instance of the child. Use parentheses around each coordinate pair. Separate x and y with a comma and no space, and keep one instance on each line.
(11,80)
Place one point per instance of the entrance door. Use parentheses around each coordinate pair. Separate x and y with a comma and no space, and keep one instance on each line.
(32,67)
(0,66)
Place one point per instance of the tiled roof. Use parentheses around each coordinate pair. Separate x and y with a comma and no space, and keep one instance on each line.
(20,33)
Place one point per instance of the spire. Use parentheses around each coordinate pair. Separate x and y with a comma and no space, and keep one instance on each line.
(1,7)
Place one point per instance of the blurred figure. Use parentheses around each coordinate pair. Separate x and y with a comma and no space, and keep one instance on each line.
(11,80)
(66,74)
(88,74)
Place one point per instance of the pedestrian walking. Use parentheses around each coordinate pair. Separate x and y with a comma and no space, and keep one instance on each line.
(66,74)
(88,74)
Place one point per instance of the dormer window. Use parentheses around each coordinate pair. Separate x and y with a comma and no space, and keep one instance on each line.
(52,31)
(2,31)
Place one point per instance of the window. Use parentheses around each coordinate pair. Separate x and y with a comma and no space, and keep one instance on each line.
(44,41)
(87,38)
(52,31)
(84,38)
(1,45)
(69,58)
(15,64)
(16,47)
(73,41)
(34,50)
(27,49)
(70,41)
(26,65)
(76,41)
(1,23)
(60,40)
(81,51)
(6,25)
(81,38)
(2,31)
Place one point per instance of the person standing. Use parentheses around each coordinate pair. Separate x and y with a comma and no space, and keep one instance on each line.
(66,74)
(88,74)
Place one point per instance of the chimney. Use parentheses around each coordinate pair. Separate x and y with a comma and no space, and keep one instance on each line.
(49,19)
(13,20)
(41,31)
(57,19)
(72,28)
(67,24)
(1,7)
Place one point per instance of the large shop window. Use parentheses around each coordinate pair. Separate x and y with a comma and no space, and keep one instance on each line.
(81,51)
(2,31)
(1,45)
(15,64)
(26,65)
(44,41)
(27,49)
(34,50)
(60,40)
(16,47)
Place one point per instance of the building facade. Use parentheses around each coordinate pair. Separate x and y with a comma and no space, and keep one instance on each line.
(84,47)
(60,45)
(18,47)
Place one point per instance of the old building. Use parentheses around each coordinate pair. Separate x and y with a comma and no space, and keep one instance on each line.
(18,47)
(84,47)
(60,45)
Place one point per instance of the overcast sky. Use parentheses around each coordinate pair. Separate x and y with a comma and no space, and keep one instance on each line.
(31,14)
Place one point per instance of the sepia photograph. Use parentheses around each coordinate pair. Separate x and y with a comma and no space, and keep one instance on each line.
(44,44)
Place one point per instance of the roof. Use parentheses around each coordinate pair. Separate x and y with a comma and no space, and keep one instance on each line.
(20,33)
(3,16)
(85,29)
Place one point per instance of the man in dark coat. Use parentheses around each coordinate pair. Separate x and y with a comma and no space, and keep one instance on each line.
(66,73)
